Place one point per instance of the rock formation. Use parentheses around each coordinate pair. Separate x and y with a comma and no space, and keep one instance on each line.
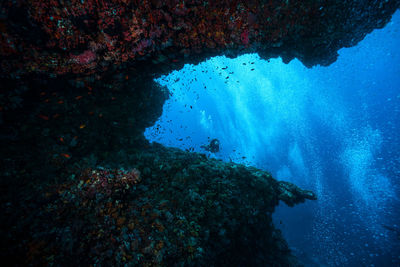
(76,94)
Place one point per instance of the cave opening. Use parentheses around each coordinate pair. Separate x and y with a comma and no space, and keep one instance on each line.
(331,129)
(81,184)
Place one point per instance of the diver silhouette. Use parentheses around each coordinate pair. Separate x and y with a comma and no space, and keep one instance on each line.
(213,146)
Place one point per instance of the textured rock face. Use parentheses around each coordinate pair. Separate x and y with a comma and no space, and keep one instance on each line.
(77,92)
(91,37)
(88,45)
(54,52)
(171,208)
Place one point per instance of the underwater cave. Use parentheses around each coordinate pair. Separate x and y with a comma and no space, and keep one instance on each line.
(109,110)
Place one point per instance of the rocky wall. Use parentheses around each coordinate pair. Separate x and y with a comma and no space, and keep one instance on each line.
(92,36)
(98,45)
(167,207)
(76,94)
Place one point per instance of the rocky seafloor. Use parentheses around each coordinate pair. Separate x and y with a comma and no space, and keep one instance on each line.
(168,208)
(81,186)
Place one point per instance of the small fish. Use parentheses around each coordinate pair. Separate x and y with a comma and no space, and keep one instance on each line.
(60,102)
(61,139)
(82,126)
(67,156)
(78,97)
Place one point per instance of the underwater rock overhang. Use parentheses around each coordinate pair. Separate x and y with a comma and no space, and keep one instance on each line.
(77,90)
(77,47)
(156,37)
(123,44)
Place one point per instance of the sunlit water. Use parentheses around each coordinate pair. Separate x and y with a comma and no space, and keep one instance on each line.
(335,130)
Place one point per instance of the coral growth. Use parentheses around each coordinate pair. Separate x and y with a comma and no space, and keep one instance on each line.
(77,92)
(112,32)
(85,58)
(180,208)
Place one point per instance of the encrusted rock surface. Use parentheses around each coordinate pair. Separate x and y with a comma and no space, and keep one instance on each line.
(121,45)
(76,94)
(90,37)
(170,208)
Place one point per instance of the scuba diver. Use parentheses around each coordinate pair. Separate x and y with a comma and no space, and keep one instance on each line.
(213,146)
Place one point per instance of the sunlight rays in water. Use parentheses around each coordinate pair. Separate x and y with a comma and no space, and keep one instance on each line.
(297,123)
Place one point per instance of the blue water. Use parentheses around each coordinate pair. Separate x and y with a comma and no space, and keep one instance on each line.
(334,130)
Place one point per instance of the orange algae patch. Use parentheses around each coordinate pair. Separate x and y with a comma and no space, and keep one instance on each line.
(160,245)
(120,221)
(131,226)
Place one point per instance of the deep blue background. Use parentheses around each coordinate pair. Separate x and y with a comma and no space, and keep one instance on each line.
(335,130)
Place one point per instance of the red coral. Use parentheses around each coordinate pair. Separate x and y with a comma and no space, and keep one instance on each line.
(107,183)
(132,176)
(85,58)
(116,31)
(244,37)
